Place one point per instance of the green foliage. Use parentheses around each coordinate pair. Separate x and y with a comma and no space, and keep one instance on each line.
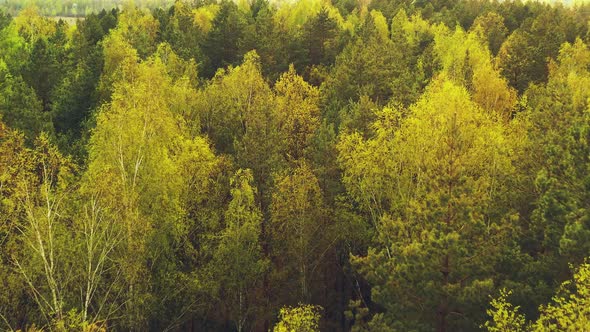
(432,218)
(232,96)
(493,29)
(202,165)
(362,322)
(319,38)
(120,59)
(568,310)
(139,29)
(181,30)
(142,163)
(359,71)
(269,37)
(32,26)
(35,233)
(299,226)
(515,60)
(238,112)
(221,45)
(19,106)
(557,118)
(203,17)
(238,263)
(15,169)
(13,51)
(371,65)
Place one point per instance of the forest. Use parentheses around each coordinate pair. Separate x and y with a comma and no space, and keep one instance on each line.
(315,165)
(76,8)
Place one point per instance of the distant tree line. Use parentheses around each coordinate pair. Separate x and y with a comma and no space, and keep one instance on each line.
(76,8)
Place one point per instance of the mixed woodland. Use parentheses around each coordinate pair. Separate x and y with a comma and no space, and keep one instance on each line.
(353,165)
(78,8)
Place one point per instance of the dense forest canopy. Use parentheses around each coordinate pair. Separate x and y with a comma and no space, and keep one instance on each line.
(344,165)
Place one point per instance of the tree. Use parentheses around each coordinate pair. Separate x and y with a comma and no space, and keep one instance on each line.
(320,34)
(431,184)
(120,59)
(32,25)
(299,223)
(99,237)
(75,97)
(185,28)
(395,162)
(14,51)
(15,168)
(514,60)
(42,72)
(238,114)
(222,43)
(298,113)
(415,37)
(493,28)
(569,310)
(5,19)
(560,143)
(19,106)
(43,261)
(238,261)
(360,72)
(524,55)
(264,34)
(466,60)
(139,28)
(143,162)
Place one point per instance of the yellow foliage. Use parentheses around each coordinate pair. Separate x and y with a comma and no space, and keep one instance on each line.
(505,316)
(143,165)
(298,224)
(177,67)
(574,61)
(570,310)
(466,59)
(412,27)
(295,14)
(304,318)
(203,16)
(120,62)
(32,25)
(380,24)
(139,28)
(298,112)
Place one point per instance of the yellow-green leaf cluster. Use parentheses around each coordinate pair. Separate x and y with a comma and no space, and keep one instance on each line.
(303,318)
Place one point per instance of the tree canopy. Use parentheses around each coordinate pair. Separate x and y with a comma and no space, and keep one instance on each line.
(303,165)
